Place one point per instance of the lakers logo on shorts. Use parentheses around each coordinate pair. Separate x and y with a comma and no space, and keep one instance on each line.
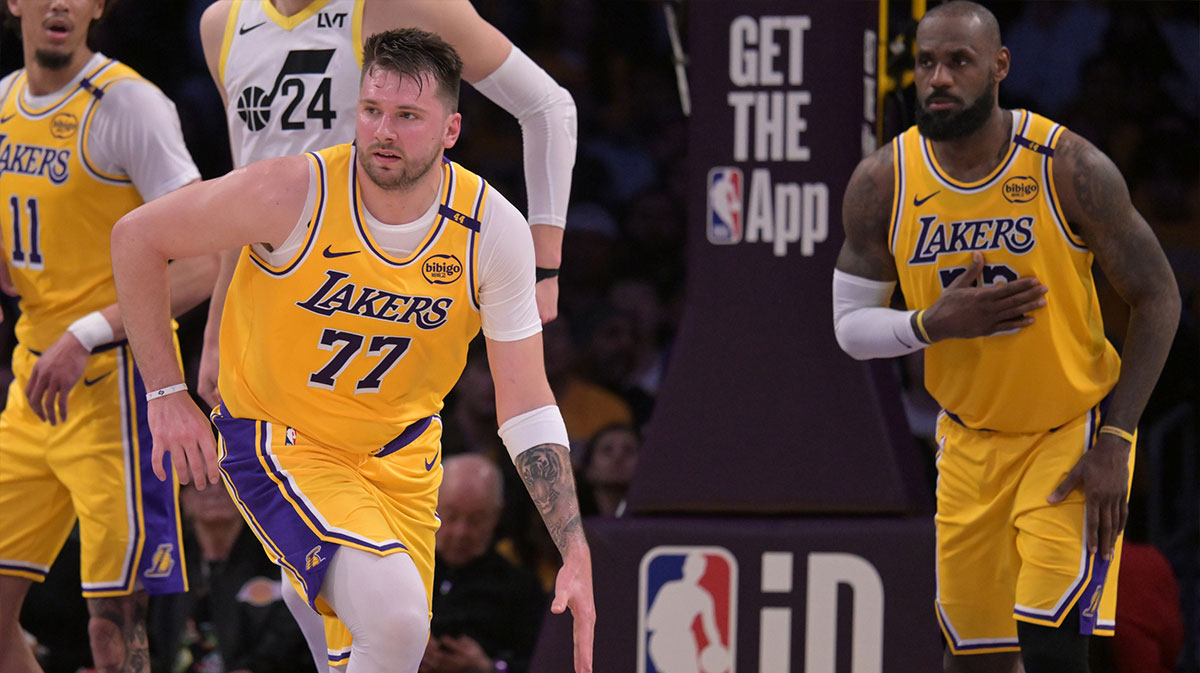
(163,562)
(314,558)
(1094,604)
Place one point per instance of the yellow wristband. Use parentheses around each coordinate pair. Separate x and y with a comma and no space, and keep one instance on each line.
(921,327)
(1111,430)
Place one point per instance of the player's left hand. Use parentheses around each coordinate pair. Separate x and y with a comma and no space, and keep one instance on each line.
(1103,473)
(54,375)
(546,292)
(573,589)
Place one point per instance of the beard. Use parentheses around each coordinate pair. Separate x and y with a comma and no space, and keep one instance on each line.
(401,180)
(51,60)
(950,125)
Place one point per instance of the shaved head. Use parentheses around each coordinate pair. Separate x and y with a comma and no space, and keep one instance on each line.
(982,22)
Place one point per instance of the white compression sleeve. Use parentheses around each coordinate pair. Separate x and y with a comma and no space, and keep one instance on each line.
(547,115)
(311,624)
(864,326)
(381,600)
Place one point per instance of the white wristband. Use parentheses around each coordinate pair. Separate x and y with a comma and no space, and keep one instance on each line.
(163,392)
(92,330)
(533,428)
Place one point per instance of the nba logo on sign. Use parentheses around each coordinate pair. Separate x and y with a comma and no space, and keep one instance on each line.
(687,610)
(725,205)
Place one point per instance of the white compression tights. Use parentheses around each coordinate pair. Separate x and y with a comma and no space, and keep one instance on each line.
(381,599)
(312,625)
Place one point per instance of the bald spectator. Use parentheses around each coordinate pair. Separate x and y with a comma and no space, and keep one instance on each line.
(486,611)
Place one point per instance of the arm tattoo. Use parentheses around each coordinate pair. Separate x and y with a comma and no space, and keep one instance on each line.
(118,633)
(547,475)
(1094,186)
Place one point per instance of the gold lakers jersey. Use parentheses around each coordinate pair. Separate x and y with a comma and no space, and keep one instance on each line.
(1039,377)
(58,209)
(291,81)
(345,343)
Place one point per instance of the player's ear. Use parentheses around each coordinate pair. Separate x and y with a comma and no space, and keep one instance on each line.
(453,128)
(1001,63)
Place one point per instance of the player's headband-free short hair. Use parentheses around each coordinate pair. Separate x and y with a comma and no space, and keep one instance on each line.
(414,53)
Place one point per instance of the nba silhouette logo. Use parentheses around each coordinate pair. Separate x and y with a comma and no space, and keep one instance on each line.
(725,205)
(687,610)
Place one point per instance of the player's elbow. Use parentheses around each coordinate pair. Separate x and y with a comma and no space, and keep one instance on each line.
(130,240)
(849,341)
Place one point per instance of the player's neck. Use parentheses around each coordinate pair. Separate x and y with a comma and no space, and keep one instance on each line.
(975,156)
(291,7)
(396,206)
(43,80)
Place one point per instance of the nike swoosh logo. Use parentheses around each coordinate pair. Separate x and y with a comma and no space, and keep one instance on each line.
(331,254)
(902,341)
(4,119)
(430,463)
(92,382)
(917,202)
(246,29)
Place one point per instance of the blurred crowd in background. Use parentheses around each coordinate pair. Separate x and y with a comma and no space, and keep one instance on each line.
(1124,75)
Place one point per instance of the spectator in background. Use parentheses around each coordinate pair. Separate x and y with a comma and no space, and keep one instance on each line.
(486,611)
(608,467)
(586,406)
(1149,634)
(233,618)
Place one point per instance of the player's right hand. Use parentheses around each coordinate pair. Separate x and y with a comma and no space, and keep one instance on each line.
(178,426)
(206,380)
(965,311)
(54,374)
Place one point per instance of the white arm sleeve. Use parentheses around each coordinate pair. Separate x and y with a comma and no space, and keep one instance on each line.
(864,326)
(547,115)
(507,304)
(136,132)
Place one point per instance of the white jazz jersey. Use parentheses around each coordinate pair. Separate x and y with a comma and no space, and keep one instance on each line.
(291,81)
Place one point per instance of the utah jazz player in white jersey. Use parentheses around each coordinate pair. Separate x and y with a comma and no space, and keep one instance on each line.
(990,220)
(83,140)
(368,269)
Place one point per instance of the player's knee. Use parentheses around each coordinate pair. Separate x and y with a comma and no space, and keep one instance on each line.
(12,597)
(1046,649)
(107,644)
(401,624)
(1003,662)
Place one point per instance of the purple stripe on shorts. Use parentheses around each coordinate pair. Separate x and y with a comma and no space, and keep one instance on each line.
(272,518)
(410,435)
(23,569)
(161,566)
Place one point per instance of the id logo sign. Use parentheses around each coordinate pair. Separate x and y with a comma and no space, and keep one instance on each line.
(687,610)
(725,199)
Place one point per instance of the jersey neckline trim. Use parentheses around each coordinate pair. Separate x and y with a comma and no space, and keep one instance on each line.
(931,162)
(290,22)
(364,233)
(82,84)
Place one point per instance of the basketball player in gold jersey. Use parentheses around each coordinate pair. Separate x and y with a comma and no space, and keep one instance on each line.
(990,220)
(251,41)
(83,140)
(368,269)
(296,63)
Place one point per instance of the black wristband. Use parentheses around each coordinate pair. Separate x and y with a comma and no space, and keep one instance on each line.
(542,273)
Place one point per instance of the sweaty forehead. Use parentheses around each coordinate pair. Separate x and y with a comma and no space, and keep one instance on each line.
(948,32)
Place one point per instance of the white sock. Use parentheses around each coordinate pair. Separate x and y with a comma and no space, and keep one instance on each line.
(311,624)
(381,599)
